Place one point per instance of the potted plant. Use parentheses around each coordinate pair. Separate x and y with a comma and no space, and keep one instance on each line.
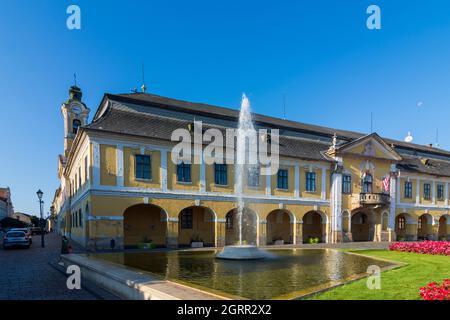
(146,244)
(196,241)
(278,241)
(312,240)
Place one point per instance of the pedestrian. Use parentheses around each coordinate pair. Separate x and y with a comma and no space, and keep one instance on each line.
(64,245)
(112,244)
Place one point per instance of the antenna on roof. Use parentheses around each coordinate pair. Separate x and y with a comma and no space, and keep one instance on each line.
(143,87)
(409,138)
(75,79)
(284,106)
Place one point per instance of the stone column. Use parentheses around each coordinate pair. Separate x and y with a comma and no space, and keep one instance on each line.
(411,231)
(434,228)
(336,204)
(220,232)
(163,170)
(172,233)
(299,232)
(262,234)
(418,191)
(297,181)
(393,194)
(119,164)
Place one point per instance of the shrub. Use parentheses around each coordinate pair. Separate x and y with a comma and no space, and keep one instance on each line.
(312,240)
(9,222)
(436,291)
(425,247)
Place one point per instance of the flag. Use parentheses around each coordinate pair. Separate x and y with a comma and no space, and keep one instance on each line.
(387,183)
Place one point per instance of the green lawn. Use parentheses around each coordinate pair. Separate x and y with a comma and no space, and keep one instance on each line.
(400,284)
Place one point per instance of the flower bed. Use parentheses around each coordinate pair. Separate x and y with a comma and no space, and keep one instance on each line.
(425,247)
(436,291)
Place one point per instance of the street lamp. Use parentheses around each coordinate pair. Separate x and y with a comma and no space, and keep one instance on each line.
(40,194)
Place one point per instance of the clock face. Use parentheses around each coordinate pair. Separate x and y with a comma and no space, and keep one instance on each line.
(76,109)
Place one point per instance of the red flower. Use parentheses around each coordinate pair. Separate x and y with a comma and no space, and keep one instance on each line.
(435,291)
(425,247)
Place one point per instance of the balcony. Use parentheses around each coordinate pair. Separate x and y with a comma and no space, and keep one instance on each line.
(374,199)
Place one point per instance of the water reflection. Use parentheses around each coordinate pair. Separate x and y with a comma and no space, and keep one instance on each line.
(289,270)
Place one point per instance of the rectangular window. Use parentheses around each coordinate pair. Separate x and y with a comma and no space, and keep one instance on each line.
(408,189)
(311,181)
(346,184)
(79,176)
(220,174)
(76,183)
(427,191)
(253,177)
(282,181)
(186,219)
(184,172)
(440,192)
(143,167)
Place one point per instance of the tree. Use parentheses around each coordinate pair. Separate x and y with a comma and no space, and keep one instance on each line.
(9,222)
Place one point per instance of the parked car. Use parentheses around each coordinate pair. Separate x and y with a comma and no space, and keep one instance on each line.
(15,239)
(27,233)
(36,230)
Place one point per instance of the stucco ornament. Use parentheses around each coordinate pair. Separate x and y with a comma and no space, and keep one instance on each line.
(366,167)
(369,149)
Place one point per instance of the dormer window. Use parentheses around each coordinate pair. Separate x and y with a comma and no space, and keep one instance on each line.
(75,125)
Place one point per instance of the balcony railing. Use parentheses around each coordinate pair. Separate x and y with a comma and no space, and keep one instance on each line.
(374,199)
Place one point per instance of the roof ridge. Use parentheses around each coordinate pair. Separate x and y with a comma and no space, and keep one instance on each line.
(139,98)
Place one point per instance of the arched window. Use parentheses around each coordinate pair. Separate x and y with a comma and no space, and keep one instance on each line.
(367,181)
(75,125)
(420,223)
(401,223)
(187,218)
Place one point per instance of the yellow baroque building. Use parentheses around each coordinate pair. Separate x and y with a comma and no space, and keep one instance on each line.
(118,185)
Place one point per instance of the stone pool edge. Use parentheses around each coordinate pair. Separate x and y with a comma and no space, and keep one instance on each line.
(131,284)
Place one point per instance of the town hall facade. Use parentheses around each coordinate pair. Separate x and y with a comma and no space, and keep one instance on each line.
(117,181)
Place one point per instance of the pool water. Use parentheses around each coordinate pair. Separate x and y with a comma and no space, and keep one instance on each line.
(287,274)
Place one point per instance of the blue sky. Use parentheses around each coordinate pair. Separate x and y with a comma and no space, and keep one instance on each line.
(319,54)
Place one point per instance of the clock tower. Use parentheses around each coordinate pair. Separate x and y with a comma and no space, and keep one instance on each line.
(75,114)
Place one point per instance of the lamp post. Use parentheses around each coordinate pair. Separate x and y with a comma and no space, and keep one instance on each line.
(40,194)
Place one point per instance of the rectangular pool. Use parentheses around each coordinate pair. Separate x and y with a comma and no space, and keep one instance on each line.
(289,273)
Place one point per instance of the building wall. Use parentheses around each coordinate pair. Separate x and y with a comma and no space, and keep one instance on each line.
(115,189)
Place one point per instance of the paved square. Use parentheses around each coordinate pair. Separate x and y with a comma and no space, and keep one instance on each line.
(26,274)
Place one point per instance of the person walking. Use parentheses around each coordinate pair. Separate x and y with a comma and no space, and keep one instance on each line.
(64,245)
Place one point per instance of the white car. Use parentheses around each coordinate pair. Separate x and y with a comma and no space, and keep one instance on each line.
(15,239)
(27,233)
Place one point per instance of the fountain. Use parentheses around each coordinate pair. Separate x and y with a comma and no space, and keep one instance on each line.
(245,132)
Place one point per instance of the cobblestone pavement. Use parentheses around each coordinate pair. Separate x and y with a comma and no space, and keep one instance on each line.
(26,274)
